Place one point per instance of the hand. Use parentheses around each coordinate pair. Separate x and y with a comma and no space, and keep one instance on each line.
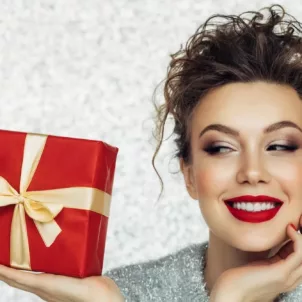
(263,280)
(53,288)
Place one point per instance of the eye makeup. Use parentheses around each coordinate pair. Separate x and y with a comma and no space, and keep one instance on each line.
(217,149)
(213,147)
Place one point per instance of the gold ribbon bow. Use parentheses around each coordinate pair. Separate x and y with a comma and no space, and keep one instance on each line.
(42,206)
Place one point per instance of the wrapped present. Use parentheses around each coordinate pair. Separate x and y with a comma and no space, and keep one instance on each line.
(55,197)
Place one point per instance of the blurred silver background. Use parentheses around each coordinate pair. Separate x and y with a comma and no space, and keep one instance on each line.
(88,69)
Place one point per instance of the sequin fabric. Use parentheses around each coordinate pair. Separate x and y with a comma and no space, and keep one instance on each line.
(175,278)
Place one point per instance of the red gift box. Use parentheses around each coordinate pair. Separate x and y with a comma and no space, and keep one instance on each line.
(54,202)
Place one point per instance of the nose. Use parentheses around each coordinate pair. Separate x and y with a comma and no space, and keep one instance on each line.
(252,169)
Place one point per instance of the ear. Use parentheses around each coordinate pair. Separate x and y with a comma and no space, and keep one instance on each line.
(187,172)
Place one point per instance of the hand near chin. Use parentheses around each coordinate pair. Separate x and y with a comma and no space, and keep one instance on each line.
(53,288)
(263,280)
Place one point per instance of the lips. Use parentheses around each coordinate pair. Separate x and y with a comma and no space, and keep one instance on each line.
(250,198)
(254,217)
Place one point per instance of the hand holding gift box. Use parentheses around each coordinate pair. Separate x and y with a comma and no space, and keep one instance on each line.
(54,202)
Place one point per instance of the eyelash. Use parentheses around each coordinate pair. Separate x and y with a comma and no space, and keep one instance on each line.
(215,149)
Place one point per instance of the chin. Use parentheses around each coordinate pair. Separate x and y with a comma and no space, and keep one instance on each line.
(257,243)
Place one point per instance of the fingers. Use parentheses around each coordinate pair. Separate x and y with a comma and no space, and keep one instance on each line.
(282,253)
(290,258)
(46,286)
(20,280)
(38,284)
(292,253)
(296,275)
(19,277)
(296,278)
(286,250)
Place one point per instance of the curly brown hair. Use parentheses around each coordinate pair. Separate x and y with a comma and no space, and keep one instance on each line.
(236,50)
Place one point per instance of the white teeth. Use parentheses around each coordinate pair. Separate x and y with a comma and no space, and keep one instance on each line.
(254,207)
(258,206)
(249,207)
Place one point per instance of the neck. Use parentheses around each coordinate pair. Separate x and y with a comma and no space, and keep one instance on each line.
(221,257)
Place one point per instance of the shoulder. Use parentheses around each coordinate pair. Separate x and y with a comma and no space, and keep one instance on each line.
(163,279)
(295,295)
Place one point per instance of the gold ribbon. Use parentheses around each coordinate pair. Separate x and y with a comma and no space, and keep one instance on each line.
(42,206)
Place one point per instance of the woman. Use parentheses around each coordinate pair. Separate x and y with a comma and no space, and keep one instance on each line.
(235,95)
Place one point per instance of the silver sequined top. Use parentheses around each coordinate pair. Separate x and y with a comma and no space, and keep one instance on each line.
(175,278)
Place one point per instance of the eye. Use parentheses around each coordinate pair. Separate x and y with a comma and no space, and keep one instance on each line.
(217,149)
(212,150)
(288,148)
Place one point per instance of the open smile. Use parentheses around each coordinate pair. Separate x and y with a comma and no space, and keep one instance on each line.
(254,209)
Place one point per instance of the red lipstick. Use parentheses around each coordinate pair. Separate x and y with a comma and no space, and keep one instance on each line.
(254,217)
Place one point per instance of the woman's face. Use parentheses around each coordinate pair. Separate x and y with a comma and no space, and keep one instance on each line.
(225,165)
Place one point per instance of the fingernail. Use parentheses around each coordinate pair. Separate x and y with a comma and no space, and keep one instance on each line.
(293,227)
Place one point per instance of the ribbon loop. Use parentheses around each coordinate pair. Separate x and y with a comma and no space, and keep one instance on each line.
(39,212)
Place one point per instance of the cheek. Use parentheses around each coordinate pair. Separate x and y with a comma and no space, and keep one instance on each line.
(289,176)
(212,179)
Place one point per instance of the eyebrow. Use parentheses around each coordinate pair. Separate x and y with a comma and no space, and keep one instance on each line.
(230,131)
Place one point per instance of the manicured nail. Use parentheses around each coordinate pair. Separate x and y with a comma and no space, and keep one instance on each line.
(293,227)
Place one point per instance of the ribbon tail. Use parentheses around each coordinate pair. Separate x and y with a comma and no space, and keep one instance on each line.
(19,251)
(33,149)
(49,231)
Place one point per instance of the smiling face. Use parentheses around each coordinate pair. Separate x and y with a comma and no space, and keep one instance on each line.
(251,162)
